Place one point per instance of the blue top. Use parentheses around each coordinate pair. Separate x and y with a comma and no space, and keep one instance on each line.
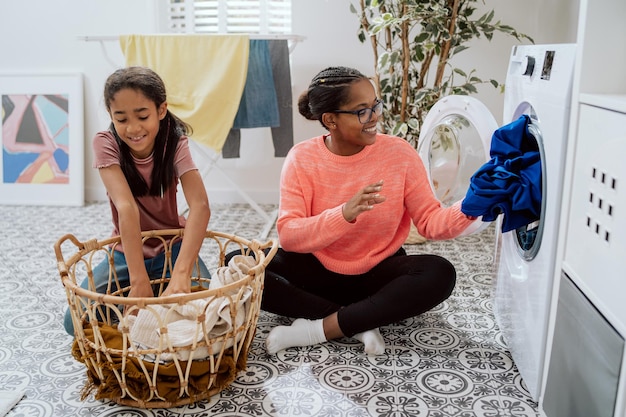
(510,183)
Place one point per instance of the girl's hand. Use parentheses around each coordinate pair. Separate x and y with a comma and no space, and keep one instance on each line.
(178,285)
(362,201)
(142,290)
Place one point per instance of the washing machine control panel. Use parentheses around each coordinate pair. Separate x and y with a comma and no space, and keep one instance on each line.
(528,64)
(547,65)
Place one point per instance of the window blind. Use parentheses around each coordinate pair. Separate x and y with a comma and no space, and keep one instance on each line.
(229,16)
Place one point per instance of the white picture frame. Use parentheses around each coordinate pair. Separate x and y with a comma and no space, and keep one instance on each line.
(42,140)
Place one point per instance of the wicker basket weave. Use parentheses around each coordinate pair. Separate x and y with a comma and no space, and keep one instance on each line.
(166,375)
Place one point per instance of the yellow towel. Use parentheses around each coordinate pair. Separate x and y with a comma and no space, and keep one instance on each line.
(204,76)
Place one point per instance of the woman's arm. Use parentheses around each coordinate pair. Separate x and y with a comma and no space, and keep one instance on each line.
(195,230)
(129,227)
(431,219)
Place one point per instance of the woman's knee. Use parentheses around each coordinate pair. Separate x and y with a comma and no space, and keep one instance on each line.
(445,269)
(434,274)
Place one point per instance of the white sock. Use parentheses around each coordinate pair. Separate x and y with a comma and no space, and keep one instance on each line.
(373,342)
(302,332)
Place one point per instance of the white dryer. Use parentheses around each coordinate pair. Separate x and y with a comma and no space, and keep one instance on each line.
(538,84)
(455,141)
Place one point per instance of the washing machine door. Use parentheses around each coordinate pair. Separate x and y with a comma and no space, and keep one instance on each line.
(454,142)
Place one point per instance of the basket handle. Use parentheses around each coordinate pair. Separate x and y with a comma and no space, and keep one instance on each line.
(82,246)
(272,244)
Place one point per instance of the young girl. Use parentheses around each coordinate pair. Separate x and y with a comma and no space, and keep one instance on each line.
(140,159)
(347,199)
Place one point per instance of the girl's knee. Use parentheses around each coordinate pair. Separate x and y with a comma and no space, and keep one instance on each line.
(67,323)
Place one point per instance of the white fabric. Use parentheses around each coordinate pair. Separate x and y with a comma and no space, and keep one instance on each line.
(181,321)
(302,332)
(373,342)
(476,227)
(8,399)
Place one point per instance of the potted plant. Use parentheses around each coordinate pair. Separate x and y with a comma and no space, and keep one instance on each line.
(413,42)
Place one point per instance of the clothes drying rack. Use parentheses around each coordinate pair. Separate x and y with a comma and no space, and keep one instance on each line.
(205,152)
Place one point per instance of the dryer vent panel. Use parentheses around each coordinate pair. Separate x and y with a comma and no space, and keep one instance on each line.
(596,235)
(601,206)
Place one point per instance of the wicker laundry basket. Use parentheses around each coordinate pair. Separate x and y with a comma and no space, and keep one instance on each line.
(165,374)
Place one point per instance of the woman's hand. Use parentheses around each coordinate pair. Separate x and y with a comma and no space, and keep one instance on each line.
(362,201)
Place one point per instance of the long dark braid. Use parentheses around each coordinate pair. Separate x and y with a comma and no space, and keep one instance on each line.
(171,128)
(327,92)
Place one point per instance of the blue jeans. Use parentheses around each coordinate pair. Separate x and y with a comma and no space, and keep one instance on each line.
(154,266)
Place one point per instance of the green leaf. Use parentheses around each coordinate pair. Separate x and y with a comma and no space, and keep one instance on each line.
(421,37)
(470,88)
(383,60)
(459,48)
(460,72)
(419,54)
(395,57)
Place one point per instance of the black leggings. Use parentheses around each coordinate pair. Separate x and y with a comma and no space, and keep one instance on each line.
(401,286)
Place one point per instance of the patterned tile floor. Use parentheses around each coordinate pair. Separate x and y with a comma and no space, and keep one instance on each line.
(451,361)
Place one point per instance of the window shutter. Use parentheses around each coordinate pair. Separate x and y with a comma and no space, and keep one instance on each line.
(230,16)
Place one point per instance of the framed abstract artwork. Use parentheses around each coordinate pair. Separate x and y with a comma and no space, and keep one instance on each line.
(42,161)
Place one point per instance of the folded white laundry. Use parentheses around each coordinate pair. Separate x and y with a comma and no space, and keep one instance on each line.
(195,320)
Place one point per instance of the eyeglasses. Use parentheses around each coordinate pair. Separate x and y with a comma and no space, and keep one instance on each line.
(365,115)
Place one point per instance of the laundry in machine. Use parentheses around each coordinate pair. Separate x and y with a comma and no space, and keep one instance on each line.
(538,84)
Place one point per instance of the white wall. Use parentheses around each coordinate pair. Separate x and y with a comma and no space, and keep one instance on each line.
(41,36)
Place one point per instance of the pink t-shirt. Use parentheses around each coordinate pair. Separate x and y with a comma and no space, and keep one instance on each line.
(315,184)
(155,212)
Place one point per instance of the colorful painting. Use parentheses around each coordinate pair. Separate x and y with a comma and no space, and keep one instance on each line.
(35,139)
(42,131)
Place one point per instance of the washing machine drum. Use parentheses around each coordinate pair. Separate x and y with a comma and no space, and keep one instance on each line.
(454,142)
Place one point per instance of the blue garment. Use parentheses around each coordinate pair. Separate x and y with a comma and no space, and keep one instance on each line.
(510,183)
(258,106)
(282,135)
(154,267)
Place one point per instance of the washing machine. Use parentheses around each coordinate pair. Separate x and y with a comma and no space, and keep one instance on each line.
(538,84)
(455,141)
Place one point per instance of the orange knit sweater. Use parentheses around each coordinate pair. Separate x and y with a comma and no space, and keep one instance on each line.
(315,184)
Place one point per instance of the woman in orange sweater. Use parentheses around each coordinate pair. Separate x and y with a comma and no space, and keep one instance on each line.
(347,201)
